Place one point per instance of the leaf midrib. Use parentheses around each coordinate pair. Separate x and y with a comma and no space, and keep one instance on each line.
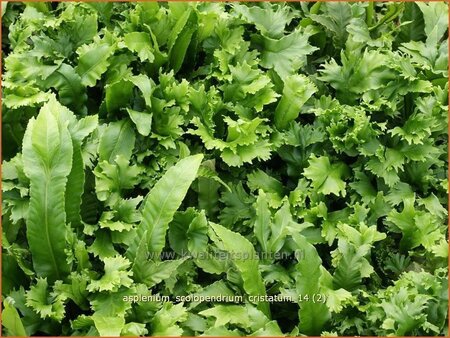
(159,215)
(46,228)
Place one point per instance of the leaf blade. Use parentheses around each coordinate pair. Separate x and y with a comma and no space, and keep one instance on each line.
(47,150)
(163,201)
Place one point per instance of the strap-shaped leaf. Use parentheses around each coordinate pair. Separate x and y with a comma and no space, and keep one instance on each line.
(312,316)
(47,157)
(93,62)
(71,92)
(146,87)
(79,130)
(188,232)
(179,43)
(117,139)
(11,320)
(435,17)
(163,201)
(297,90)
(142,121)
(286,55)
(244,257)
(117,95)
(152,273)
(263,220)
(108,325)
(140,43)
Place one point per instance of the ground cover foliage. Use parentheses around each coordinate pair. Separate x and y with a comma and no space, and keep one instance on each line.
(218,149)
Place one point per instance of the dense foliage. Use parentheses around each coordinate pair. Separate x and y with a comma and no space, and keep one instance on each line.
(212,149)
